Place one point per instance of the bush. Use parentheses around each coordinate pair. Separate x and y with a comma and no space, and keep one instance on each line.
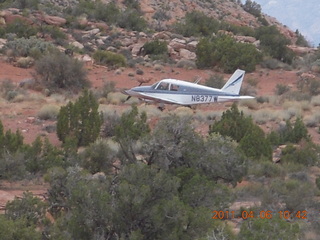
(80,120)
(155,47)
(274,44)
(215,81)
(281,89)
(24,47)
(48,112)
(21,28)
(306,156)
(109,58)
(223,51)
(251,138)
(131,19)
(197,24)
(59,71)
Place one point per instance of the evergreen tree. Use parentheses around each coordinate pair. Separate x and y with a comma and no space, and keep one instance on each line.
(80,120)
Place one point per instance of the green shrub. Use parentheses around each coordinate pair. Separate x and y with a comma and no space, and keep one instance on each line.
(21,28)
(281,89)
(223,51)
(109,58)
(155,47)
(59,71)
(80,120)
(197,24)
(252,7)
(32,47)
(274,44)
(54,32)
(28,207)
(131,19)
(306,156)
(251,138)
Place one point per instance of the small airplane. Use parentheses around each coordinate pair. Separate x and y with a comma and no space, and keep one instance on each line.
(172,91)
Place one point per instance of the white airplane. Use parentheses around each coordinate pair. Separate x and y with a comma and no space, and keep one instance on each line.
(180,92)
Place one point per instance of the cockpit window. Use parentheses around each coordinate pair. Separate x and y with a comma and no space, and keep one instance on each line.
(154,85)
(163,86)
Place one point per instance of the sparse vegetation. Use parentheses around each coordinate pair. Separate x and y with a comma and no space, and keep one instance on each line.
(72,75)
(224,52)
(109,59)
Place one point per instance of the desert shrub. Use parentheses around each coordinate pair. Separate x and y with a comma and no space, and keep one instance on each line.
(7,89)
(301,40)
(10,142)
(262,99)
(18,229)
(98,157)
(108,87)
(315,100)
(225,52)
(251,138)
(312,120)
(293,134)
(215,81)
(22,4)
(274,44)
(29,207)
(276,227)
(264,115)
(48,112)
(54,32)
(310,86)
(80,120)
(12,166)
(306,155)
(252,7)
(281,89)
(59,71)
(32,47)
(131,19)
(21,28)
(196,24)
(187,64)
(109,58)
(266,169)
(41,155)
(155,47)
(271,63)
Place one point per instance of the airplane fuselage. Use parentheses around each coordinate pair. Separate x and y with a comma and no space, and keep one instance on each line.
(185,93)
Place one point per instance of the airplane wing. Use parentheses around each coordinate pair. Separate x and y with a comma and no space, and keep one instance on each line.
(161,99)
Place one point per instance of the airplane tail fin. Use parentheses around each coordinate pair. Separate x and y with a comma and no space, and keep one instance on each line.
(233,85)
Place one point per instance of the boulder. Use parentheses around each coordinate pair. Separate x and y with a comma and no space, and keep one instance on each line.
(186,54)
(54,20)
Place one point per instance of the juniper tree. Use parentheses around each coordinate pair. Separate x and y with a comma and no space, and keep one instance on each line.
(80,120)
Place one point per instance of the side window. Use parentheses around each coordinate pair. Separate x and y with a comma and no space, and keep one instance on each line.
(174,87)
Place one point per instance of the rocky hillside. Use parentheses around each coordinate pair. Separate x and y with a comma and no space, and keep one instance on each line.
(91,34)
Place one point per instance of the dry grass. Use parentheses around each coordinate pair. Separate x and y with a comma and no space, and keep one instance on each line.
(263,116)
(315,101)
(48,112)
(312,120)
(116,98)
